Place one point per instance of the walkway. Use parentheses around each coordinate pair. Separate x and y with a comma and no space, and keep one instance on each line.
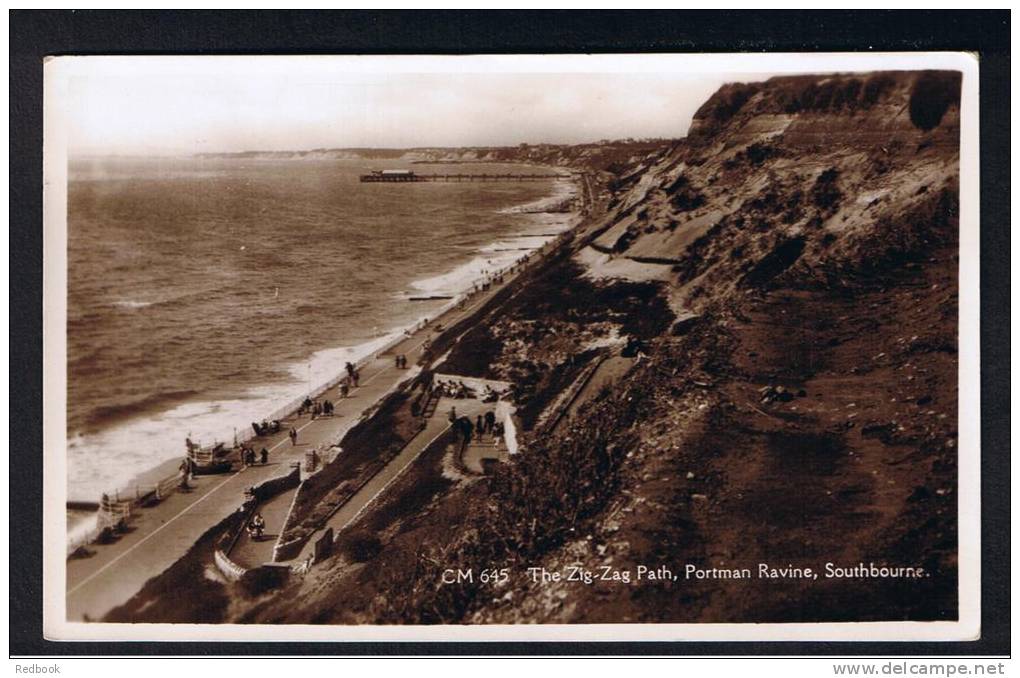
(249,553)
(356,505)
(480,450)
(609,371)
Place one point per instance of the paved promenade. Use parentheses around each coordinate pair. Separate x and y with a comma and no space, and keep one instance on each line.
(159,535)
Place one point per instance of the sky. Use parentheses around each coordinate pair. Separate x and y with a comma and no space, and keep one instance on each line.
(148,106)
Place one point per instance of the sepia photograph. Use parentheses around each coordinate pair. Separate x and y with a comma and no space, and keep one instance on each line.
(631,346)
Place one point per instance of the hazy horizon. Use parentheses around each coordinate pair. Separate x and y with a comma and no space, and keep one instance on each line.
(175,106)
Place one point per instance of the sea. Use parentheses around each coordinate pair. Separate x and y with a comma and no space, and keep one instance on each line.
(207,292)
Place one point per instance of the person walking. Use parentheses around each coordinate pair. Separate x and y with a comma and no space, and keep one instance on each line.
(293,437)
(265,456)
(184,468)
(356,376)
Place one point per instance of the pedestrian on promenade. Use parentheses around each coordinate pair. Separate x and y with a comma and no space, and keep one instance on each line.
(293,437)
(490,420)
(344,389)
(479,426)
(184,468)
(265,456)
(355,377)
(464,424)
(453,415)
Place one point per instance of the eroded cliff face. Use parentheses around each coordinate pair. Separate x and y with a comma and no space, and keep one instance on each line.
(784,282)
(814,173)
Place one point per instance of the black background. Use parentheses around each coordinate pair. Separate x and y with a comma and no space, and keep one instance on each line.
(37,34)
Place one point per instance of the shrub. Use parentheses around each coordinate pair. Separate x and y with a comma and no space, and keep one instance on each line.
(932,95)
(686,196)
(825,193)
(362,546)
(846,96)
(876,86)
(757,153)
(726,102)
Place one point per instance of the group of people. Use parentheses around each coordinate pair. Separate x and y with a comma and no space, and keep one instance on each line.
(266,428)
(248,456)
(317,409)
(483,424)
(452,389)
(459,390)
(256,526)
(400,360)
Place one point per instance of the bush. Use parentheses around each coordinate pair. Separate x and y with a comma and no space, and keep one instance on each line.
(932,95)
(825,193)
(726,102)
(686,196)
(876,86)
(846,96)
(362,547)
(757,153)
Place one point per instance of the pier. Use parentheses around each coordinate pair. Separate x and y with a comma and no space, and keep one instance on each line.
(406,176)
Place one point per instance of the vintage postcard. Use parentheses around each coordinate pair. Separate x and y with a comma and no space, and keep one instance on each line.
(573,347)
